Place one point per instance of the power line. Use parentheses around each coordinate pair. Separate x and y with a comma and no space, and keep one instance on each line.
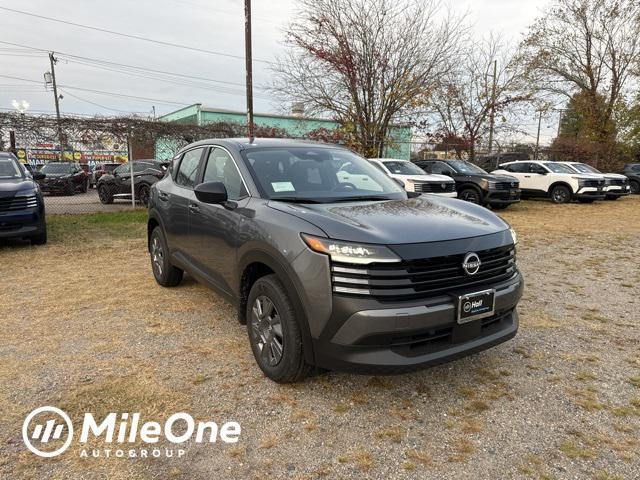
(121,67)
(127,35)
(97,104)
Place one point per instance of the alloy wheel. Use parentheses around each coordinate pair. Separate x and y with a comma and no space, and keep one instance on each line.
(157,256)
(266,328)
(560,195)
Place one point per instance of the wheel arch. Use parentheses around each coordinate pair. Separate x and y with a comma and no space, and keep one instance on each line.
(559,183)
(256,264)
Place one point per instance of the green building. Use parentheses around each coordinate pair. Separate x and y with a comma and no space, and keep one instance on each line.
(297,126)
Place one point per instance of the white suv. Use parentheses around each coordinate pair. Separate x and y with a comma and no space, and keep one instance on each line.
(616,185)
(555,180)
(414,178)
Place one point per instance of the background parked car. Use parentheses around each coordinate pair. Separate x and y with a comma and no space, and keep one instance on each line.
(414,178)
(554,180)
(118,183)
(474,184)
(65,178)
(615,184)
(21,203)
(632,172)
(100,170)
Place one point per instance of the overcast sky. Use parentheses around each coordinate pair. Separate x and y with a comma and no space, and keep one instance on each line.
(210,25)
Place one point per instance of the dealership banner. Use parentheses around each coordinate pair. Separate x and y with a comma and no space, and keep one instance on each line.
(39,156)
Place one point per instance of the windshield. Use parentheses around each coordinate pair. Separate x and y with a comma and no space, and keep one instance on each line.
(56,168)
(584,168)
(318,175)
(461,166)
(403,168)
(558,167)
(9,168)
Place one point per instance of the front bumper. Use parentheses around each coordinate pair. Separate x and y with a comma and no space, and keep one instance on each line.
(592,193)
(617,190)
(22,224)
(380,338)
(503,197)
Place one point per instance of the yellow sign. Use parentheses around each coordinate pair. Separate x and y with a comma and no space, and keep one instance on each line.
(77,155)
(21,154)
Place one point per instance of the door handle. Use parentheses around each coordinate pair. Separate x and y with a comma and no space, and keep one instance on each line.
(527,176)
(193,208)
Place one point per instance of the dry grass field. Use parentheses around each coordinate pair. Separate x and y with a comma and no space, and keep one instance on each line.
(86,328)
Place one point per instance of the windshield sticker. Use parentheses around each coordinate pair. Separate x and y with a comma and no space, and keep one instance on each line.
(282,187)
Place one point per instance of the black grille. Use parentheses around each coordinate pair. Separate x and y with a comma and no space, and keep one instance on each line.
(435,187)
(616,181)
(423,278)
(593,183)
(18,203)
(506,185)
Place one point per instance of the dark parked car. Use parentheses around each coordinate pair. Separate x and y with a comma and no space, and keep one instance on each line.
(117,184)
(65,178)
(474,184)
(21,203)
(100,170)
(632,171)
(366,277)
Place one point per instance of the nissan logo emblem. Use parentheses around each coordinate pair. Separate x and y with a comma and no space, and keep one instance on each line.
(471,263)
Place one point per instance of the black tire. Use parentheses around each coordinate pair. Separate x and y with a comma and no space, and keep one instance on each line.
(635,187)
(40,239)
(70,189)
(500,206)
(471,195)
(560,194)
(267,340)
(105,194)
(165,274)
(143,195)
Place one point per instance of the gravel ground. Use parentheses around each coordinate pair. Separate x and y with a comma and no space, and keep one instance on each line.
(87,329)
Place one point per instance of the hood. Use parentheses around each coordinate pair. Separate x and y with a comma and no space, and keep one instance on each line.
(415,220)
(10,187)
(615,176)
(56,175)
(431,177)
(491,177)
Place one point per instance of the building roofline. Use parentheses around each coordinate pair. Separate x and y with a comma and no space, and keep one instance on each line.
(272,115)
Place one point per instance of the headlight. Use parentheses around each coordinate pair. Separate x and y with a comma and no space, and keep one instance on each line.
(513,236)
(491,185)
(348,252)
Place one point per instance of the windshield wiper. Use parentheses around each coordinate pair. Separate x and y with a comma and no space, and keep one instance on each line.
(364,198)
(296,200)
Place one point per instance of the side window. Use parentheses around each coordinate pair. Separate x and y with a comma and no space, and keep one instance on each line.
(140,167)
(121,169)
(188,168)
(440,168)
(535,168)
(518,168)
(221,168)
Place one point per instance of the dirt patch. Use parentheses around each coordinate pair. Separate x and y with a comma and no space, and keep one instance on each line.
(86,328)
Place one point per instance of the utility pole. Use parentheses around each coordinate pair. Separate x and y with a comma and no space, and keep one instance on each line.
(53,61)
(492,114)
(538,137)
(249,67)
(560,118)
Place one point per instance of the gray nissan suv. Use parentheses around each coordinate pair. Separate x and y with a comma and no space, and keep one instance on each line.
(339,272)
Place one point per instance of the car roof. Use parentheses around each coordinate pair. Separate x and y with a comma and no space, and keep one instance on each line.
(246,144)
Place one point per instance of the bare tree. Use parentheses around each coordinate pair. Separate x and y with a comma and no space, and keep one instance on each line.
(367,63)
(474,99)
(587,46)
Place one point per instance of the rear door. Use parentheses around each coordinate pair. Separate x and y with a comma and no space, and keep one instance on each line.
(539,178)
(521,171)
(214,228)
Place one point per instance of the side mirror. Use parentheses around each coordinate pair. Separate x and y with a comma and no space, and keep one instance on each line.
(38,175)
(211,192)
